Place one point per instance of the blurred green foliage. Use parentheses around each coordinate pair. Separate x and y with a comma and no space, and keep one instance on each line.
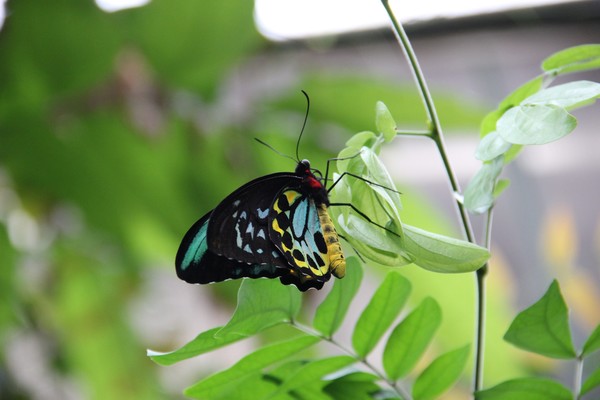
(103,166)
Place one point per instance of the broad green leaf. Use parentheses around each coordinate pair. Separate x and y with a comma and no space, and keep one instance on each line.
(491,146)
(479,195)
(410,338)
(526,388)
(262,303)
(331,312)
(439,253)
(535,124)
(592,343)
(543,328)
(315,371)
(591,382)
(353,386)
(249,387)
(384,121)
(568,95)
(441,374)
(221,382)
(203,343)
(378,202)
(578,58)
(379,314)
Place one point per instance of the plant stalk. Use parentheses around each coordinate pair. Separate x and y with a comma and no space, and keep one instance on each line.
(437,136)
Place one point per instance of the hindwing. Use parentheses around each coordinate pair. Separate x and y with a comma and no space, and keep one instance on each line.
(195,263)
(296,231)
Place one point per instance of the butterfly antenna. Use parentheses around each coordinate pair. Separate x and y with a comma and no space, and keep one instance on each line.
(303,124)
(274,149)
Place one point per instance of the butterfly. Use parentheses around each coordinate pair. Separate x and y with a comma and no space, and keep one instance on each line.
(275,226)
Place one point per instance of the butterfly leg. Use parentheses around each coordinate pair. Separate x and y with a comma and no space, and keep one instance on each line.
(365,216)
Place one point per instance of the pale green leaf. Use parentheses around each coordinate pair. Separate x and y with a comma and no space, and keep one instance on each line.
(568,95)
(535,124)
(384,121)
(410,338)
(379,314)
(526,388)
(479,195)
(439,253)
(543,328)
(441,374)
(262,303)
(331,312)
(491,146)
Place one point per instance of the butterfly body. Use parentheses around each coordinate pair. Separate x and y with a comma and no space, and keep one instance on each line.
(274,226)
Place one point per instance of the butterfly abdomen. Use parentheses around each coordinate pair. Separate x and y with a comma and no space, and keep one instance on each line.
(337,262)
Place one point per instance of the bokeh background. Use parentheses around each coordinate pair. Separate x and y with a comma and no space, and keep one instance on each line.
(119,129)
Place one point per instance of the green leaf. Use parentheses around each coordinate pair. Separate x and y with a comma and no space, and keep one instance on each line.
(380,203)
(578,58)
(441,374)
(513,99)
(331,312)
(535,124)
(592,343)
(543,328)
(315,371)
(439,253)
(591,382)
(379,314)
(479,195)
(501,185)
(568,95)
(203,343)
(491,146)
(385,122)
(526,388)
(262,303)
(221,382)
(353,386)
(410,338)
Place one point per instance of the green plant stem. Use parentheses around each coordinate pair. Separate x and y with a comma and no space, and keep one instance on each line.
(438,137)
(578,376)
(394,385)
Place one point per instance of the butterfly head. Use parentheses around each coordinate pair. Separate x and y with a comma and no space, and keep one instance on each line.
(312,181)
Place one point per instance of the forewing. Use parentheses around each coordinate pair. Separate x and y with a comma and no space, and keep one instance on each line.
(238,229)
(296,231)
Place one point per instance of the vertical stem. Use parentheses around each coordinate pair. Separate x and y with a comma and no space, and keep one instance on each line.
(437,136)
(578,377)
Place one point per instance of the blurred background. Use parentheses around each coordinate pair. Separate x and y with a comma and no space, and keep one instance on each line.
(121,123)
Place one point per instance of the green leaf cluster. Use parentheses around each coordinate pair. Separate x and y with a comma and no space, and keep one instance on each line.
(533,114)
(372,224)
(286,370)
(544,329)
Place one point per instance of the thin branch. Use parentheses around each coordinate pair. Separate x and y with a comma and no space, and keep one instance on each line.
(437,136)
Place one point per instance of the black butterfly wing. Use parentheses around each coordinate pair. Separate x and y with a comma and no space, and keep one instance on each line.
(239,226)
(195,263)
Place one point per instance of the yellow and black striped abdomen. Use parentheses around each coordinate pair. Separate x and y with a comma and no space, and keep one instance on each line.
(337,262)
